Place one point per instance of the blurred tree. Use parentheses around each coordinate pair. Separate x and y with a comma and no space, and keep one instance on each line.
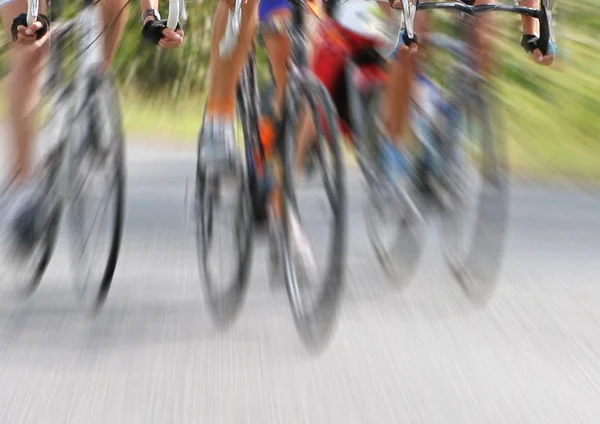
(175,72)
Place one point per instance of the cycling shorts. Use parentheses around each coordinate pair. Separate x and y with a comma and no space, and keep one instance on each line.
(267,7)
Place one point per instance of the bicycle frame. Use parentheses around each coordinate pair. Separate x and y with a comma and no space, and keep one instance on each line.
(298,72)
(66,128)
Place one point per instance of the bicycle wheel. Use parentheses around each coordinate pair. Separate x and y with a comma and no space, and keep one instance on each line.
(225,223)
(26,270)
(97,200)
(474,222)
(40,223)
(394,220)
(315,301)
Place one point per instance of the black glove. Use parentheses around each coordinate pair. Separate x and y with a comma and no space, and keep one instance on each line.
(530,43)
(22,20)
(153,30)
(408,41)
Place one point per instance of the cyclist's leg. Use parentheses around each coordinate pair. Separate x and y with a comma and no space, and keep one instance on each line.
(24,73)
(275,18)
(218,144)
(277,44)
(484,36)
(396,101)
(226,71)
(114,17)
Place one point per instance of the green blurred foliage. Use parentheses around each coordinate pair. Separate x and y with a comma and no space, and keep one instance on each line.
(552,113)
(174,73)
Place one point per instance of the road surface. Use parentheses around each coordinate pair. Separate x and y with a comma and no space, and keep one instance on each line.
(415,354)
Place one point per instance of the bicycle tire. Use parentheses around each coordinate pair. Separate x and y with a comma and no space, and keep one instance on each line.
(51,224)
(315,324)
(26,270)
(225,305)
(49,242)
(475,259)
(400,256)
(109,151)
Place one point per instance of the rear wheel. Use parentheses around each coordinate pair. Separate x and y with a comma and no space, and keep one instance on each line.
(259,181)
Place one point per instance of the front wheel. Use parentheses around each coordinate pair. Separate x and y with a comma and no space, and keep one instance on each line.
(315,297)
(474,222)
(392,208)
(224,228)
(97,198)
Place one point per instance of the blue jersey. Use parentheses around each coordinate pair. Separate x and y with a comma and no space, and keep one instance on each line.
(267,7)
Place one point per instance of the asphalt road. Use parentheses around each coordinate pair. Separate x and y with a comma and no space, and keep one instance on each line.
(414,354)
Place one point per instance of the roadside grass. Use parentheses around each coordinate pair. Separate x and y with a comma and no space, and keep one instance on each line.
(553,126)
(159,120)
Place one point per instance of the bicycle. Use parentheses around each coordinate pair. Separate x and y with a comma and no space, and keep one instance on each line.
(83,171)
(314,313)
(445,138)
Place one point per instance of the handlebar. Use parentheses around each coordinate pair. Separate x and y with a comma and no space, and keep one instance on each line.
(546,26)
(33,8)
(176,10)
(543,14)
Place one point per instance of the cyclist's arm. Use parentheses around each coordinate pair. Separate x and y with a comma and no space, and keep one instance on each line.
(530,25)
(531,30)
(147,5)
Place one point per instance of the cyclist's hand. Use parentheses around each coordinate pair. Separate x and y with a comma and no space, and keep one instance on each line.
(407,45)
(22,34)
(530,44)
(156,32)
(171,39)
(544,60)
